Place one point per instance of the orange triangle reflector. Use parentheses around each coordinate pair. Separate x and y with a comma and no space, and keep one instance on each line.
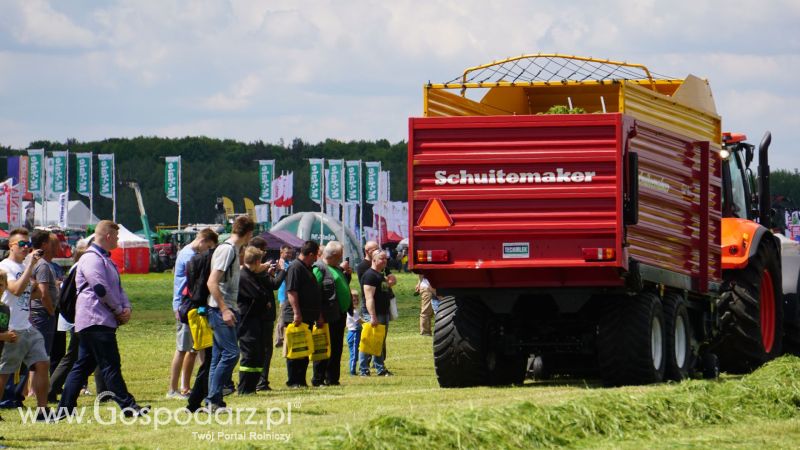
(435,215)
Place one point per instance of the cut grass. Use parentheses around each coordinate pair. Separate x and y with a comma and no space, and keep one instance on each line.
(410,410)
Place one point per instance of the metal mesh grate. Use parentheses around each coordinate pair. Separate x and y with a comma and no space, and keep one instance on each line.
(554,68)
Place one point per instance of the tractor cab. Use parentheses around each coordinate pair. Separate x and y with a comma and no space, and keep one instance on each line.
(745,196)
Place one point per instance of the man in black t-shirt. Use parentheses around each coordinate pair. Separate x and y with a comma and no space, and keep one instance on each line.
(375,308)
(366,263)
(303,305)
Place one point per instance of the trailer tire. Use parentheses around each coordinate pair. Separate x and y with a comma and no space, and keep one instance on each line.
(680,356)
(631,341)
(751,313)
(459,342)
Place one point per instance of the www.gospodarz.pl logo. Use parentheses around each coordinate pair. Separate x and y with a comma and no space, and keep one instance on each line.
(271,418)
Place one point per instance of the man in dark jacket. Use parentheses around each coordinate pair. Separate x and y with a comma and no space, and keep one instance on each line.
(256,303)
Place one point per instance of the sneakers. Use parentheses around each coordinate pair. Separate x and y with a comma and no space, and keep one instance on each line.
(212,408)
(136,410)
(385,373)
(364,374)
(260,388)
(175,395)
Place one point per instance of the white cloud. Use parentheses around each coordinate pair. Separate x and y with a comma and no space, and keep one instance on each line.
(36,23)
(238,97)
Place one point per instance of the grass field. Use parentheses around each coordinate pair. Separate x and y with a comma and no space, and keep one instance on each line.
(410,410)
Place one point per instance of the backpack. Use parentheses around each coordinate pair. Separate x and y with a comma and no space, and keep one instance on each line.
(198,270)
(330,303)
(68,296)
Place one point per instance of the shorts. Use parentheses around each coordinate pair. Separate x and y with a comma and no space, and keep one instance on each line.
(183,338)
(28,349)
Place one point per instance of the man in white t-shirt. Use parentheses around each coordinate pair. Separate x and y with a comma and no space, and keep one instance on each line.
(29,347)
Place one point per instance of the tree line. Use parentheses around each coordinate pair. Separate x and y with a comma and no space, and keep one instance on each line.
(212,168)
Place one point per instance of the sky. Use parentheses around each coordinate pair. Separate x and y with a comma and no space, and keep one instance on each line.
(354,69)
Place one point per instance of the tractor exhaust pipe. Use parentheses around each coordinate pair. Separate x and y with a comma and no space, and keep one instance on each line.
(764,198)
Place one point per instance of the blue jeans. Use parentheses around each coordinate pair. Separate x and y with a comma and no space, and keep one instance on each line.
(98,348)
(353,338)
(224,354)
(378,361)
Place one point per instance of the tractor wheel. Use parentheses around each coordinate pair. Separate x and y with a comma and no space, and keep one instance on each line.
(751,313)
(680,358)
(631,341)
(459,343)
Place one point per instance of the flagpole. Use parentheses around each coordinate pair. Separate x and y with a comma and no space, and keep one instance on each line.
(44,190)
(360,207)
(113,188)
(180,192)
(322,204)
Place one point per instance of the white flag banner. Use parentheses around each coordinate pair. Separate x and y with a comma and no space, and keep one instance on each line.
(384,190)
(63,209)
(288,189)
(262,213)
(15,214)
(5,200)
(277,191)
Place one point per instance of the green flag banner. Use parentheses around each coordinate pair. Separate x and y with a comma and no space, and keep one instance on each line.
(373,173)
(35,166)
(336,175)
(83,183)
(106,175)
(266,174)
(315,179)
(172,178)
(59,182)
(353,177)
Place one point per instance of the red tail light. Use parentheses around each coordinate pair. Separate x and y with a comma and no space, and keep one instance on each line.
(432,256)
(599,254)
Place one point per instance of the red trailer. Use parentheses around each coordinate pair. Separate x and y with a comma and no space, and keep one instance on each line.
(592,241)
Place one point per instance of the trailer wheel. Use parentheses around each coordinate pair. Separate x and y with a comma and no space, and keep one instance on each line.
(751,313)
(680,357)
(459,343)
(631,341)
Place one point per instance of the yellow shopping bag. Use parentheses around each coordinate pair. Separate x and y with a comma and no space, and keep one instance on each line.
(298,341)
(372,339)
(322,343)
(202,336)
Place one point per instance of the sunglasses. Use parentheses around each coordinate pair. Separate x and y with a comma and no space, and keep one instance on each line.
(23,244)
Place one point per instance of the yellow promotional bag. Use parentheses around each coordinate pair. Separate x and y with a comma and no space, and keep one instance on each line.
(372,339)
(298,341)
(321,337)
(202,336)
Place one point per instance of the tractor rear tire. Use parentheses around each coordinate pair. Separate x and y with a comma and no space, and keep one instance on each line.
(460,342)
(751,313)
(631,341)
(680,356)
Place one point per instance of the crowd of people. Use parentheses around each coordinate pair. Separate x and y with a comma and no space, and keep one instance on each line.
(229,286)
